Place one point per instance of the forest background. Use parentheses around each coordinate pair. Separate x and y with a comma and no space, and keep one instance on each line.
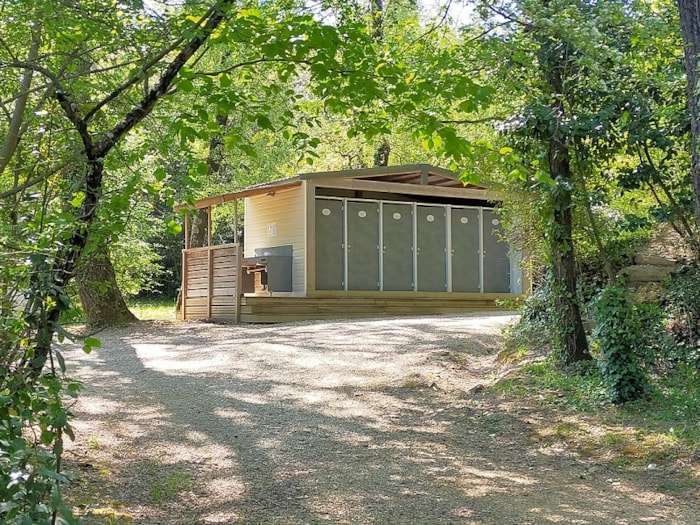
(584,114)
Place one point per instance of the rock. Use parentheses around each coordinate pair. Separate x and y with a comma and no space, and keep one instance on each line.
(646,273)
(652,292)
(477,388)
(653,260)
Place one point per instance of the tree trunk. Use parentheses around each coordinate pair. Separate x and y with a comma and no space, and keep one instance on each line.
(554,64)
(100,296)
(381,155)
(689,11)
(573,336)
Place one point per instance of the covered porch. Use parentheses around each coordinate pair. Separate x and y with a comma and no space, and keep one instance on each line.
(392,241)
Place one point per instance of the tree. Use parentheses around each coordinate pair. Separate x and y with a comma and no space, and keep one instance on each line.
(51,207)
(689,11)
(81,93)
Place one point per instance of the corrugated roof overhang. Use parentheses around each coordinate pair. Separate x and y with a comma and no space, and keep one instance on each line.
(417,174)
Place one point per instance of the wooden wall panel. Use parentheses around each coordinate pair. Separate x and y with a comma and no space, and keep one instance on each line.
(210,283)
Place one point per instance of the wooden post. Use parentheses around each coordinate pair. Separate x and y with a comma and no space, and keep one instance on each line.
(237,284)
(210,278)
(209,235)
(183,286)
(235,221)
(309,189)
(187,231)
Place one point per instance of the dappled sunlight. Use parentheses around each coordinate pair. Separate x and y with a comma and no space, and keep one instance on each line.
(330,422)
(170,359)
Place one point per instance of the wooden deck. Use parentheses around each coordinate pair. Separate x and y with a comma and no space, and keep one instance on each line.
(214,283)
(287,309)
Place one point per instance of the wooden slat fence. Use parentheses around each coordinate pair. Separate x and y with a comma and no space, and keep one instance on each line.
(210,277)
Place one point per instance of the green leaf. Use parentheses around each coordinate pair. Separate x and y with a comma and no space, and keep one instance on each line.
(250,13)
(78,199)
(225,80)
(173,227)
(53,475)
(264,122)
(89,343)
(94,342)
(185,86)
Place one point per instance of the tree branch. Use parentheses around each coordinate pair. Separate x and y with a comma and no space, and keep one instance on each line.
(14,131)
(475,121)
(133,80)
(214,17)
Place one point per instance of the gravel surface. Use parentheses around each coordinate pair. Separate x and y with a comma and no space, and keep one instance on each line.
(371,422)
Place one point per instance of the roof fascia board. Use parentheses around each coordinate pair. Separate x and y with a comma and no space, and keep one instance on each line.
(228,197)
(410,189)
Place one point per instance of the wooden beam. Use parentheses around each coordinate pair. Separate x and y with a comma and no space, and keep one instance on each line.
(209,235)
(424,175)
(411,189)
(235,221)
(228,197)
(187,231)
(310,244)
(238,292)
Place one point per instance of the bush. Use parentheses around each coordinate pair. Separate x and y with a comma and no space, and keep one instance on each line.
(535,329)
(33,423)
(623,334)
(683,309)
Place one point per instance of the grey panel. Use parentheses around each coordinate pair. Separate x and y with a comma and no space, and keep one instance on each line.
(279,266)
(329,245)
(397,234)
(465,249)
(363,245)
(496,259)
(432,248)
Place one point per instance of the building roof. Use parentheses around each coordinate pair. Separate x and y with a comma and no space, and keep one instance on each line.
(416,174)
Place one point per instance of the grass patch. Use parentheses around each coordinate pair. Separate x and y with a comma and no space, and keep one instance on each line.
(170,486)
(663,429)
(153,308)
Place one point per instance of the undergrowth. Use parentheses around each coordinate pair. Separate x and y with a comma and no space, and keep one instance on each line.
(661,428)
(153,308)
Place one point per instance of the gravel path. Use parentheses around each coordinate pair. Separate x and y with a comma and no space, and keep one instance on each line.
(369,422)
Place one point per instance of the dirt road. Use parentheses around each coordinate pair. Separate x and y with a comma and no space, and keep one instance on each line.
(370,422)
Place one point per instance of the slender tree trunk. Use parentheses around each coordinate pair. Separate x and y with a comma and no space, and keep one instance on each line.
(689,11)
(381,155)
(102,300)
(574,345)
(571,331)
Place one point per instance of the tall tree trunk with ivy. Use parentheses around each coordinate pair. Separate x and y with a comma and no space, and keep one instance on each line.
(571,334)
(689,11)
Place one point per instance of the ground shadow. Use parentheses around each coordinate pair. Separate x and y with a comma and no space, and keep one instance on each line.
(321,423)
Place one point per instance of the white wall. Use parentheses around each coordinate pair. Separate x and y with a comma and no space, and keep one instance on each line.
(274,220)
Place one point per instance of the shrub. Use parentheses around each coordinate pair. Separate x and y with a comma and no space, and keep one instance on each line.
(622,333)
(33,422)
(683,309)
